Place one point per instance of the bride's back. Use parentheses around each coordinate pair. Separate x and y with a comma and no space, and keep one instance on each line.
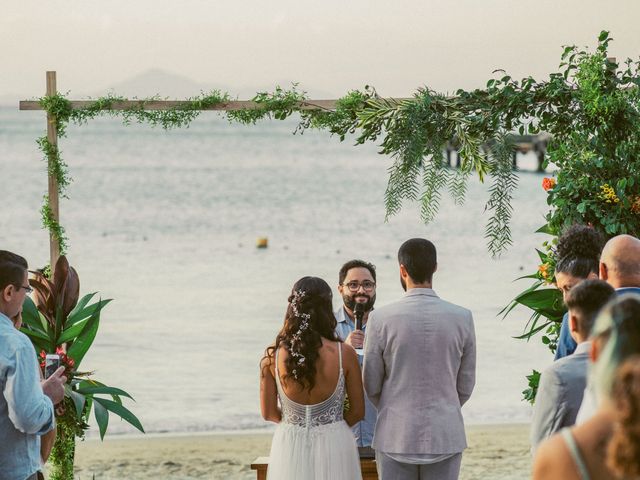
(327,373)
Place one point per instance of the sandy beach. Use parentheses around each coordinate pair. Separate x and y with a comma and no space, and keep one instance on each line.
(497,452)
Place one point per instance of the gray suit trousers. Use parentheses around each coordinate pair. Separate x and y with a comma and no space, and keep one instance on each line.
(389,469)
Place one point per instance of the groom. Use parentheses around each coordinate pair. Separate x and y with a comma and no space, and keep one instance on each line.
(419,369)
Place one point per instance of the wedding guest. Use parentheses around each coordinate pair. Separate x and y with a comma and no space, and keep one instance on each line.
(26,405)
(620,268)
(620,264)
(562,384)
(48,439)
(357,284)
(607,444)
(304,377)
(419,369)
(578,253)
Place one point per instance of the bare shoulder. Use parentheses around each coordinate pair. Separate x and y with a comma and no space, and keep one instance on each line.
(268,363)
(553,461)
(349,355)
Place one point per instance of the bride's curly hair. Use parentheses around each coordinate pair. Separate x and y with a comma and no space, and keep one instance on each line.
(623,452)
(309,319)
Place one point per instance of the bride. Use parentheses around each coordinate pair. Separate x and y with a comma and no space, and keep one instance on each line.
(309,371)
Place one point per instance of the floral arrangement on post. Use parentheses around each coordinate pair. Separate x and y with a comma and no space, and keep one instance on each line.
(57,321)
(596,149)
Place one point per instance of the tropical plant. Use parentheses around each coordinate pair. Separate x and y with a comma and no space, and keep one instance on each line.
(596,153)
(58,321)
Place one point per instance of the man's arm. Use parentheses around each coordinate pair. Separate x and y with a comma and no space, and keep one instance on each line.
(30,410)
(373,369)
(467,373)
(546,410)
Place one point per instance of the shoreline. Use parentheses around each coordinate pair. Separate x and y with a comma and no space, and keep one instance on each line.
(496,451)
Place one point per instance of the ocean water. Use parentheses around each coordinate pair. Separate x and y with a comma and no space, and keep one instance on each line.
(165,223)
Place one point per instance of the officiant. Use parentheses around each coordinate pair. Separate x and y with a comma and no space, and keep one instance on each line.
(357,285)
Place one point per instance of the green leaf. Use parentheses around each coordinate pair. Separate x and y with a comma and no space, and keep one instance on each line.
(80,346)
(31,316)
(86,312)
(79,400)
(35,334)
(102,416)
(121,411)
(104,389)
(80,305)
(542,255)
(546,228)
(547,302)
(532,332)
(70,333)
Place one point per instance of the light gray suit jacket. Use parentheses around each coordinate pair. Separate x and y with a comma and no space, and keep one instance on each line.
(559,395)
(419,369)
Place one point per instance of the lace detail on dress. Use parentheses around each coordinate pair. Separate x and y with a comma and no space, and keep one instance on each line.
(309,416)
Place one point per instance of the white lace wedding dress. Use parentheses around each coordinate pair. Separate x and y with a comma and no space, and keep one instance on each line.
(313,442)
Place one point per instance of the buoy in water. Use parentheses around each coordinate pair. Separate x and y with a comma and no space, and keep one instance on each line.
(262,242)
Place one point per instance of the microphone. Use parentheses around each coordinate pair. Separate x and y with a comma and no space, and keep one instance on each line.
(358,312)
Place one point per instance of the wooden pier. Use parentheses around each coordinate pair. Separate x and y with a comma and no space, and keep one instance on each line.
(524,144)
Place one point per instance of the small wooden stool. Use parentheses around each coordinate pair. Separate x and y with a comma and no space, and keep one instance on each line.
(367,465)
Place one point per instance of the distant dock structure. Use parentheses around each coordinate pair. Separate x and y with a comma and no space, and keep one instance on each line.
(524,144)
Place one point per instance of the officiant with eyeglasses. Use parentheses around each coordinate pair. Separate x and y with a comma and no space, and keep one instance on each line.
(357,285)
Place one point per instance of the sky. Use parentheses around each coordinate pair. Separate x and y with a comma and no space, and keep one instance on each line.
(328,46)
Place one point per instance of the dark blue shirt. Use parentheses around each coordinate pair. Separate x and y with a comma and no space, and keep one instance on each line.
(566,344)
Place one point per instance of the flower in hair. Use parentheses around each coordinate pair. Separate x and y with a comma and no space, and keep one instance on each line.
(304,324)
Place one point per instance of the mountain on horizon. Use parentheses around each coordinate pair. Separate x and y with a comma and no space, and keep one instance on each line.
(166,85)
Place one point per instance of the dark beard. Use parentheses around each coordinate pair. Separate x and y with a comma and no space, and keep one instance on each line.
(403,283)
(350,302)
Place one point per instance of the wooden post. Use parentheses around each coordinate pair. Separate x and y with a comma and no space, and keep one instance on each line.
(52,136)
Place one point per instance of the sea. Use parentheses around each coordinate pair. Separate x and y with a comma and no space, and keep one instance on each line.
(165,223)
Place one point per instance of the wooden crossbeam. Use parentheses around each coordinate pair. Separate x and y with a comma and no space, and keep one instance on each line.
(169,104)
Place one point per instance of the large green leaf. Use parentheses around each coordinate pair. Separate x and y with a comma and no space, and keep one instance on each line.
(70,333)
(31,315)
(121,411)
(80,346)
(514,303)
(80,306)
(38,342)
(104,389)
(33,334)
(86,312)
(102,416)
(79,400)
(533,331)
(547,301)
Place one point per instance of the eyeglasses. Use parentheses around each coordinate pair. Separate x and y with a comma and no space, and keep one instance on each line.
(367,286)
(28,289)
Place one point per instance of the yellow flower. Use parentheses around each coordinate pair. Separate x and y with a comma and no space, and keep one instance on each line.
(608,194)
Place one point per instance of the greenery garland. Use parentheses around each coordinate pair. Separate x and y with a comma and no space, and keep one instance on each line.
(415,132)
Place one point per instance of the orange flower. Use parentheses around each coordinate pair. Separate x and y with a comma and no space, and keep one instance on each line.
(542,269)
(635,205)
(548,183)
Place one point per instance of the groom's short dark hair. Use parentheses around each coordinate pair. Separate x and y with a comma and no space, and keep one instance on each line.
(418,256)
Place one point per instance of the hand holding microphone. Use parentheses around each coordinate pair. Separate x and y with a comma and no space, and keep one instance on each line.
(358,312)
